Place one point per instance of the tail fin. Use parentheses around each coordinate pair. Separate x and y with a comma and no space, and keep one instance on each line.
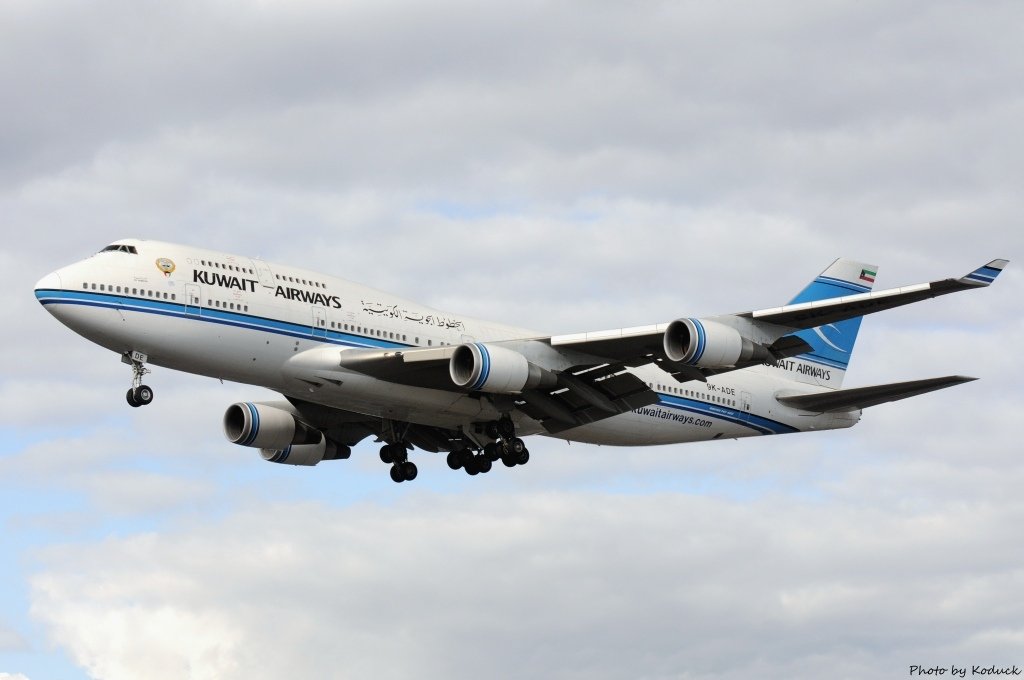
(832,344)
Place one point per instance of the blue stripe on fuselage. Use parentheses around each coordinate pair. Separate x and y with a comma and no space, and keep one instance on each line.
(754,422)
(209,315)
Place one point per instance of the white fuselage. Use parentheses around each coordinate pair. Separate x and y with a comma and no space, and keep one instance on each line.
(234,318)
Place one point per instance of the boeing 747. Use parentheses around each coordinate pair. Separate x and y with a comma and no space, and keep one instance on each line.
(352,362)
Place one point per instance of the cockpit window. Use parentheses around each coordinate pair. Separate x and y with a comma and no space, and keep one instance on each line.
(120,249)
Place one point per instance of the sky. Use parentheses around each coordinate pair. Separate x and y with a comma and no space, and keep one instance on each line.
(561,166)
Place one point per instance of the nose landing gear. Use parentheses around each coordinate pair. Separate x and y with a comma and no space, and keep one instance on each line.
(139,394)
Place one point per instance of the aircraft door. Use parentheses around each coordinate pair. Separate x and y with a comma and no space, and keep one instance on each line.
(319,322)
(193,299)
(264,273)
(745,403)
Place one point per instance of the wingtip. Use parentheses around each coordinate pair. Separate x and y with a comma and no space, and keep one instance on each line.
(985,274)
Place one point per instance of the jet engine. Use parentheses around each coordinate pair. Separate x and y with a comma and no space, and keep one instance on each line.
(710,344)
(306,454)
(489,368)
(266,427)
(279,435)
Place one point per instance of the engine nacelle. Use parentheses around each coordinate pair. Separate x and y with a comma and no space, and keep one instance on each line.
(266,427)
(709,344)
(306,454)
(499,370)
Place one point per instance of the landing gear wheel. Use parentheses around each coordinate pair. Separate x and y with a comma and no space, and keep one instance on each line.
(130,397)
(483,463)
(454,460)
(409,470)
(524,457)
(471,467)
(518,446)
(508,461)
(396,475)
(491,452)
(143,395)
(385,455)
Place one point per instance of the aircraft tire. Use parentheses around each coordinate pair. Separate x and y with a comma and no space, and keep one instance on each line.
(396,475)
(409,470)
(506,428)
(130,397)
(524,457)
(484,464)
(385,454)
(518,446)
(508,461)
(143,395)
(491,452)
(453,460)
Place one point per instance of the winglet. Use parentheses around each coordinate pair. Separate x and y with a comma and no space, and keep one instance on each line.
(984,276)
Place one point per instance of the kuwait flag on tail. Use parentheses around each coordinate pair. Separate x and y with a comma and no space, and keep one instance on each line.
(867,275)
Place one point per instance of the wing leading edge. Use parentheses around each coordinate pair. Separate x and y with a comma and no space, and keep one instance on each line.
(821,312)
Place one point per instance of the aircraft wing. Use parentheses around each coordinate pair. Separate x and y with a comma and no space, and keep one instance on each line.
(821,312)
(863,397)
(572,396)
(644,344)
(350,428)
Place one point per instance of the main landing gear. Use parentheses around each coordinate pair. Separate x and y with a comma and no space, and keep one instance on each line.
(397,456)
(506,447)
(139,394)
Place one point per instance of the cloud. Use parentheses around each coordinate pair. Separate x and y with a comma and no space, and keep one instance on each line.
(10,640)
(560,585)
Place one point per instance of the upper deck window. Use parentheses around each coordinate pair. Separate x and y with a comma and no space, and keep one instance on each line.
(118,248)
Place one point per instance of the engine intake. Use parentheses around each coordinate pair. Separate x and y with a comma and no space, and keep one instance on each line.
(710,344)
(489,368)
(266,427)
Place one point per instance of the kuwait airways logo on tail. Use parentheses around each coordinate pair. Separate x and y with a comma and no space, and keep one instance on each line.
(820,332)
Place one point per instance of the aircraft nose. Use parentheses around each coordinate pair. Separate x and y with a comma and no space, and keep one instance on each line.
(49,282)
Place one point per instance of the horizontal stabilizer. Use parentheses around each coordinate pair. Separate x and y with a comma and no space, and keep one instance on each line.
(863,397)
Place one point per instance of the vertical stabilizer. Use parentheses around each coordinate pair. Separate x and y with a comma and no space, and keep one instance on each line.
(832,343)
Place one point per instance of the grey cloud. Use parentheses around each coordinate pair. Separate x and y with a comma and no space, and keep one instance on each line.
(563,585)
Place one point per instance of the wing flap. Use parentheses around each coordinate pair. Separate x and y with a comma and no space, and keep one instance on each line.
(863,397)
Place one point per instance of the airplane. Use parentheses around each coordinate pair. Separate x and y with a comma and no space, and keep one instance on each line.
(352,362)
